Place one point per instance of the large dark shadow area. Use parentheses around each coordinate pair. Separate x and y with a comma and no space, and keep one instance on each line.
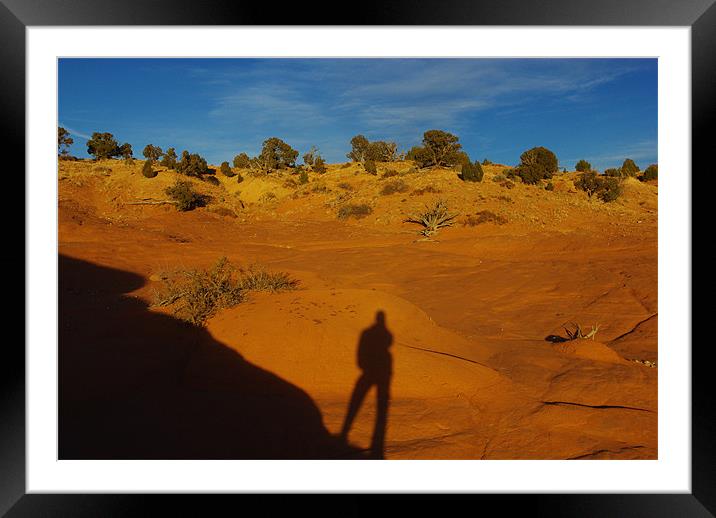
(135,384)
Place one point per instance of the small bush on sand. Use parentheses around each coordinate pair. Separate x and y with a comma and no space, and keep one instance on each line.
(650,173)
(196,295)
(425,190)
(346,186)
(507,184)
(147,170)
(226,170)
(239,178)
(213,180)
(612,171)
(433,218)
(389,173)
(549,186)
(357,211)
(369,166)
(393,187)
(303,177)
(182,192)
(290,183)
(472,172)
(484,216)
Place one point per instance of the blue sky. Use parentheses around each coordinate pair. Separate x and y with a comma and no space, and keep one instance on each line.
(602,110)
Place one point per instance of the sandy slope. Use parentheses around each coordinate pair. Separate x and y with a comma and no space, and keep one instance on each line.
(473,377)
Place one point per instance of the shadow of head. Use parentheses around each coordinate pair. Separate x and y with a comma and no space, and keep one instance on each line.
(134,383)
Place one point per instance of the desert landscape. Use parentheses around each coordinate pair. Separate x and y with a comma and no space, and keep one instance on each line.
(524,326)
(357,259)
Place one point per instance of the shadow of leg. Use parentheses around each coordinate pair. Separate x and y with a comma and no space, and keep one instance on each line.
(359,393)
(381,419)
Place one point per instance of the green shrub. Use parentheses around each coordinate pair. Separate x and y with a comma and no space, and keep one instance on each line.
(239,178)
(319,165)
(472,172)
(359,147)
(583,166)
(629,168)
(538,163)
(610,190)
(650,173)
(152,152)
(612,171)
(369,166)
(192,165)
(213,180)
(303,177)
(64,141)
(389,173)
(226,170)
(606,188)
(242,161)
(394,186)
(185,197)
(147,170)
(103,145)
(588,182)
(549,186)
(276,154)
(486,162)
(169,160)
(354,211)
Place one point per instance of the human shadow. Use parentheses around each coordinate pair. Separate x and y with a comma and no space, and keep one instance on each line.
(376,364)
(137,384)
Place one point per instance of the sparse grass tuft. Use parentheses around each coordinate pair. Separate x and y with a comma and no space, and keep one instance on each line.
(346,186)
(257,278)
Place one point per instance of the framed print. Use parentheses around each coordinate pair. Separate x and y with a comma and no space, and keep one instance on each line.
(424,253)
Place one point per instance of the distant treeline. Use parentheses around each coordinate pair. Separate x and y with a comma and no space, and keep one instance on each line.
(439,149)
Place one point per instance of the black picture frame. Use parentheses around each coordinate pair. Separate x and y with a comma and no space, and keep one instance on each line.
(16,15)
